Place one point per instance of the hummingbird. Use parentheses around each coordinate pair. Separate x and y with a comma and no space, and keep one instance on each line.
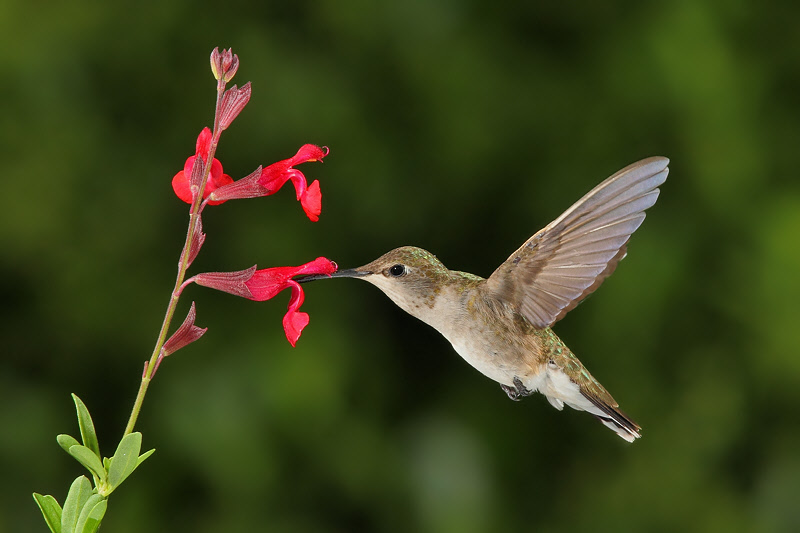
(501,325)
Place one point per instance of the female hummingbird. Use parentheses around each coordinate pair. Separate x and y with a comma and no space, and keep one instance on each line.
(501,325)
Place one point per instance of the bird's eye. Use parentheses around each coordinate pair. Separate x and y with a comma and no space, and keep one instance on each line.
(397,271)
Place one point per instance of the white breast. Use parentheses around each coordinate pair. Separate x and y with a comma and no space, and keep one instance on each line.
(484,360)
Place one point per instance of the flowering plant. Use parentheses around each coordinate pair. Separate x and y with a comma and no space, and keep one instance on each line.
(200,183)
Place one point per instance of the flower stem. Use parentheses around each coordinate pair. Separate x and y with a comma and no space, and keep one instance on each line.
(137,405)
(162,337)
(183,265)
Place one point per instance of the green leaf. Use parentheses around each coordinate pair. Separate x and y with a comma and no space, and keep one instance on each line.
(87,458)
(79,492)
(67,442)
(144,456)
(91,514)
(87,427)
(125,459)
(50,510)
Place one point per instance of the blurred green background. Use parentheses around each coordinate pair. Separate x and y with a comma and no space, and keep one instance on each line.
(460,127)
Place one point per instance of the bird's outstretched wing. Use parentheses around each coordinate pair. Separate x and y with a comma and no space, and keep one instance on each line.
(567,260)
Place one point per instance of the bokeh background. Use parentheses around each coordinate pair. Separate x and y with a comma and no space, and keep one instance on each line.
(460,127)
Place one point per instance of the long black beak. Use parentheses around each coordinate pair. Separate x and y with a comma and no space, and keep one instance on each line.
(350,273)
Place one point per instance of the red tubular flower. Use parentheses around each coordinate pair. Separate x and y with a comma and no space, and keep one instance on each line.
(270,179)
(274,176)
(261,285)
(181,182)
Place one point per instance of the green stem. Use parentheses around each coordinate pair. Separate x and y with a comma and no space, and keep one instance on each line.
(137,405)
(183,265)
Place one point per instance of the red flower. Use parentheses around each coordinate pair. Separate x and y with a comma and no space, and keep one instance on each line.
(181,182)
(269,180)
(261,285)
(274,176)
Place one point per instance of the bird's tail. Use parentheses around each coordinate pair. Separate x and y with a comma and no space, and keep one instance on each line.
(612,417)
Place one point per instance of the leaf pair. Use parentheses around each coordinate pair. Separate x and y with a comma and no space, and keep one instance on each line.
(83,509)
(85,506)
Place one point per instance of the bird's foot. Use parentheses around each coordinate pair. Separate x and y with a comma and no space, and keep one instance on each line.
(517,391)
(511,391)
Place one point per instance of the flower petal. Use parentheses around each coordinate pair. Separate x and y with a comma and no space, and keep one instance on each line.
(308,152)
(277,174)
(189,164)
(293,325)
(266,283)
(320,265)
(215,174)
(299,182)
(216,179)
(274,176)
(295,321)
(180,184)
(203,144)
(312,201)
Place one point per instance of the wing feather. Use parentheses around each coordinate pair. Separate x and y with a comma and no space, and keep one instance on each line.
(567,260)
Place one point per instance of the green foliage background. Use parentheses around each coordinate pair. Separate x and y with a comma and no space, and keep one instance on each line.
(461,127)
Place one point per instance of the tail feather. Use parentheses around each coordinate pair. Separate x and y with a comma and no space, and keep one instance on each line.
(616,420)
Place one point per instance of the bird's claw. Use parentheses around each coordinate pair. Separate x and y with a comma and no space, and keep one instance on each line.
(517,391)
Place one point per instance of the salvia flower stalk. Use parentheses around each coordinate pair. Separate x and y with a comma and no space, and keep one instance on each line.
(200,183)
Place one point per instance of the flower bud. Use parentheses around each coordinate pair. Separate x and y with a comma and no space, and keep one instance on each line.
(198,238)
(233,101)
(186,334)
(224,64)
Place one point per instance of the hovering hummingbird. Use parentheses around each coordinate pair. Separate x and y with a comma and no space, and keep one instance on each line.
(501,325)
